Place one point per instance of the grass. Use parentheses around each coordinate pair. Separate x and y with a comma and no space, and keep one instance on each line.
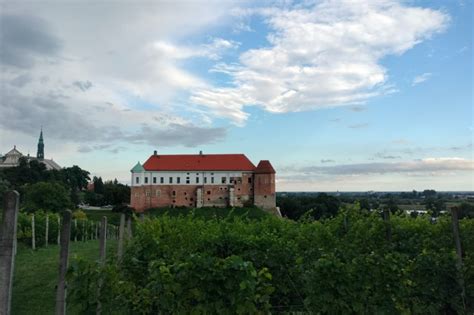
(36,275)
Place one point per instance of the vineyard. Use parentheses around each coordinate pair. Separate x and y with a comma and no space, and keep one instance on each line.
(346,264)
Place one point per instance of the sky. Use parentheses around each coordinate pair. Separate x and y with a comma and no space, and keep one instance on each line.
(339,95)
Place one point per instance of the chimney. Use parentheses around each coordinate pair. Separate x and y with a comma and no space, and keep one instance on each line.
(155,152)
(200,152)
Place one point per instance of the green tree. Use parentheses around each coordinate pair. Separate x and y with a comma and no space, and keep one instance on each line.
(47,196)
(98,185)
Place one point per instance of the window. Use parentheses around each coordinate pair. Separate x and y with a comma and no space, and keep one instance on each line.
(197,180)
(250,180)
(171,180)
(208,192)
(157,192)
(162,180)
(147,193)
(212,180)
(197,174)
(174,193)
(212,173)
(137,180)
(178,180)
(146,180)
(185,193)
(187,180)
(136,194)
(265,196)
(154,180)
(224,179)
(205,180)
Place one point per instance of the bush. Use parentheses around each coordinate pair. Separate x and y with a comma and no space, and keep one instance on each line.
(236,265)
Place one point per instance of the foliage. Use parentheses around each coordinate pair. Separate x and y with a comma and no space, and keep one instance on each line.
(47,196)
(338,265)
(320,206)
(108,193)
(81,229)
(79,215)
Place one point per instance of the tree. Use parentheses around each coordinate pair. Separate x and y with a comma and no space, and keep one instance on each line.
(47,196)
(98,185)
(466,210)
(435,206)
(428,193)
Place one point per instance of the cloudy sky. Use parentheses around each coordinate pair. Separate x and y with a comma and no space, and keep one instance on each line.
(340,95)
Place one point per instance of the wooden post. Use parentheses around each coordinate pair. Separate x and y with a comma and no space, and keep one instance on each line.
(59,230)
(457,241)
(83,236)
(388,227)
(33,239)
(11,202)
(75,230)
(96,231)
(63,263)
(120,239)
(102,256)
(129,228)
(46,231)
(103,240)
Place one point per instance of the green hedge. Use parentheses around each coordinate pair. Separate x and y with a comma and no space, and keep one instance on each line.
(337,266)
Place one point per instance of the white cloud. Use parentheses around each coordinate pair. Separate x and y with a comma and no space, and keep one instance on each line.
(104,74)
(321,56)
(421,78)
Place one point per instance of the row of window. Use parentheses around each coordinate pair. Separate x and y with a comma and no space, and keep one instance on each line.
(232,180)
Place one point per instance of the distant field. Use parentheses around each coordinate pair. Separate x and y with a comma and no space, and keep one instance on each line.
(36,274)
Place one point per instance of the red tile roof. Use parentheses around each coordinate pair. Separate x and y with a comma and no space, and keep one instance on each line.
(199,162)
(265,167)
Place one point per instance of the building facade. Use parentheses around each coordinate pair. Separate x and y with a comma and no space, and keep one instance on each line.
(202,180)
(12,157)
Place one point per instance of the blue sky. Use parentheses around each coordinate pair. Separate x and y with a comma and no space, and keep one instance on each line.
(338,95)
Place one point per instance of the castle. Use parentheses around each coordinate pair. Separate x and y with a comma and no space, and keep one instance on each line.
(202,180)
(12,157)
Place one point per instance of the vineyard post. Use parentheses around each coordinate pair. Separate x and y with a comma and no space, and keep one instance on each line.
(388,227)
(46,231)
(103,239)
(83,230)
(11,201)
(59,230)
(120,238)
(63,263)
(33,239)
(129,228)
(102,251)
(75,230)
(457,241)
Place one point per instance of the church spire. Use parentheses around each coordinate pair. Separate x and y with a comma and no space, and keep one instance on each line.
(40,153)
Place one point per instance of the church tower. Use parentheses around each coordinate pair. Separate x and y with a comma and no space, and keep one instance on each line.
(40,153)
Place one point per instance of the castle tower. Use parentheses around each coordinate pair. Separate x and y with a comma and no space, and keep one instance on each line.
(40,153)
(264,185)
